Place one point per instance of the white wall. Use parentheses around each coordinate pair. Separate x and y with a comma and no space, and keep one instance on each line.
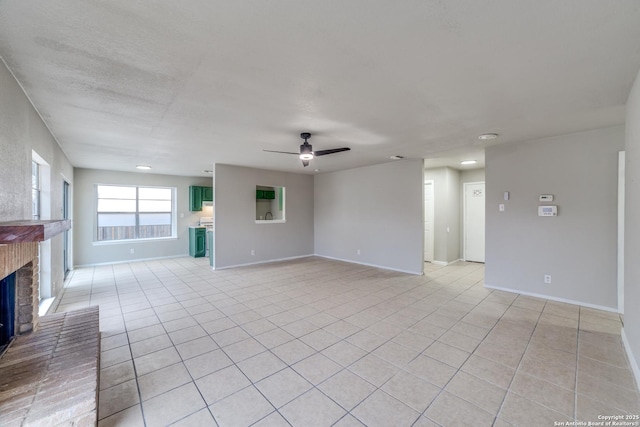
(578,247)
(447,213)
(236,232)
(21,131)
(632,228)
(89,253)
(376,209)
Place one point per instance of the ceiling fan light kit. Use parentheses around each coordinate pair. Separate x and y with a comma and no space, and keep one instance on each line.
(306,150)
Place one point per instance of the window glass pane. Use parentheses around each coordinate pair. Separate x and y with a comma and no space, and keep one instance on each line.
(154,206)
(154,193)
(117,233)
(35,181)
(116,192)
(35,204)
(116,220)
(155,219)
(114,205)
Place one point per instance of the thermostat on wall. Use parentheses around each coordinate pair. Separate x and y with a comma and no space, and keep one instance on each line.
(547,211)
(546,198)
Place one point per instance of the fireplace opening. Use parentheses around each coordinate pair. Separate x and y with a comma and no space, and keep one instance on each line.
(7,310)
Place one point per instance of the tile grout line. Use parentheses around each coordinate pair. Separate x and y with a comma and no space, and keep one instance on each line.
(459,369)
(135,371)
(575,384)
(515,372)
(182,361)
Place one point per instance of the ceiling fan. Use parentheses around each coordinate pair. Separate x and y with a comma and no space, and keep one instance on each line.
(306,150)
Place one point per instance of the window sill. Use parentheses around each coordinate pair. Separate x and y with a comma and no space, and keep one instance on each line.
(130,241)
(44,306)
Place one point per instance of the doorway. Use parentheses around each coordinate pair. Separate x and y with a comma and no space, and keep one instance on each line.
(429,213)
(65,215)
(473,211)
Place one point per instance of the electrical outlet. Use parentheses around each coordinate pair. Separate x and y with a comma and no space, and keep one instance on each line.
(358,252)
(253,252)
(547,278)
(132,251)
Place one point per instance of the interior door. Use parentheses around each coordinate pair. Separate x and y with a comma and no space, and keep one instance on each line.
(428,221)
(474,200)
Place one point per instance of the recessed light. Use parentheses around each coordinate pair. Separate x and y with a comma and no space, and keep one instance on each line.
(396,157)
(468,162)
(143,167)
(317,170)
(487,136)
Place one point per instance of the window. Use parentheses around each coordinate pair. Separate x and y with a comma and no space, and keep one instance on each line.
(127,213)
(35,190)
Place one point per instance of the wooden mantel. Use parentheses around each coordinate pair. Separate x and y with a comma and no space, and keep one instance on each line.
(31,231)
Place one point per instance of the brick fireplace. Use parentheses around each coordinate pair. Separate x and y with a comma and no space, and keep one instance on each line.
(49,366)
(22,259)
(19,254)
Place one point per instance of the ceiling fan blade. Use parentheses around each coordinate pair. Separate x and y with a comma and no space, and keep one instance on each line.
(281,152)
(305,163)
(330,151)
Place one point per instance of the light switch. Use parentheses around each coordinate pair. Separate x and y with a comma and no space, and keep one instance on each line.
(501,207)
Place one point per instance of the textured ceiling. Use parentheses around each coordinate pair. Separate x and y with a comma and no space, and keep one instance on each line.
(183,85)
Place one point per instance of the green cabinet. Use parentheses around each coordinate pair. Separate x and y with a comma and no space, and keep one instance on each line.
(197,241)
(195,198)
(265,194)
(199,194)
(207,194)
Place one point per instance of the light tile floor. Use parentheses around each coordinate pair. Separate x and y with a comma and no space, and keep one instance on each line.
(314,342)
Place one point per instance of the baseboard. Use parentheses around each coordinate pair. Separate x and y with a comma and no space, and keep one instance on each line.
(372,265)
(99,264)
(267,261)
(444,263)
(632,360)
(552,298)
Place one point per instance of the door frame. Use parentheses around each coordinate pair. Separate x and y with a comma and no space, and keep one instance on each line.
(464,213)
(621,207)
(432,215)
(66,214)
